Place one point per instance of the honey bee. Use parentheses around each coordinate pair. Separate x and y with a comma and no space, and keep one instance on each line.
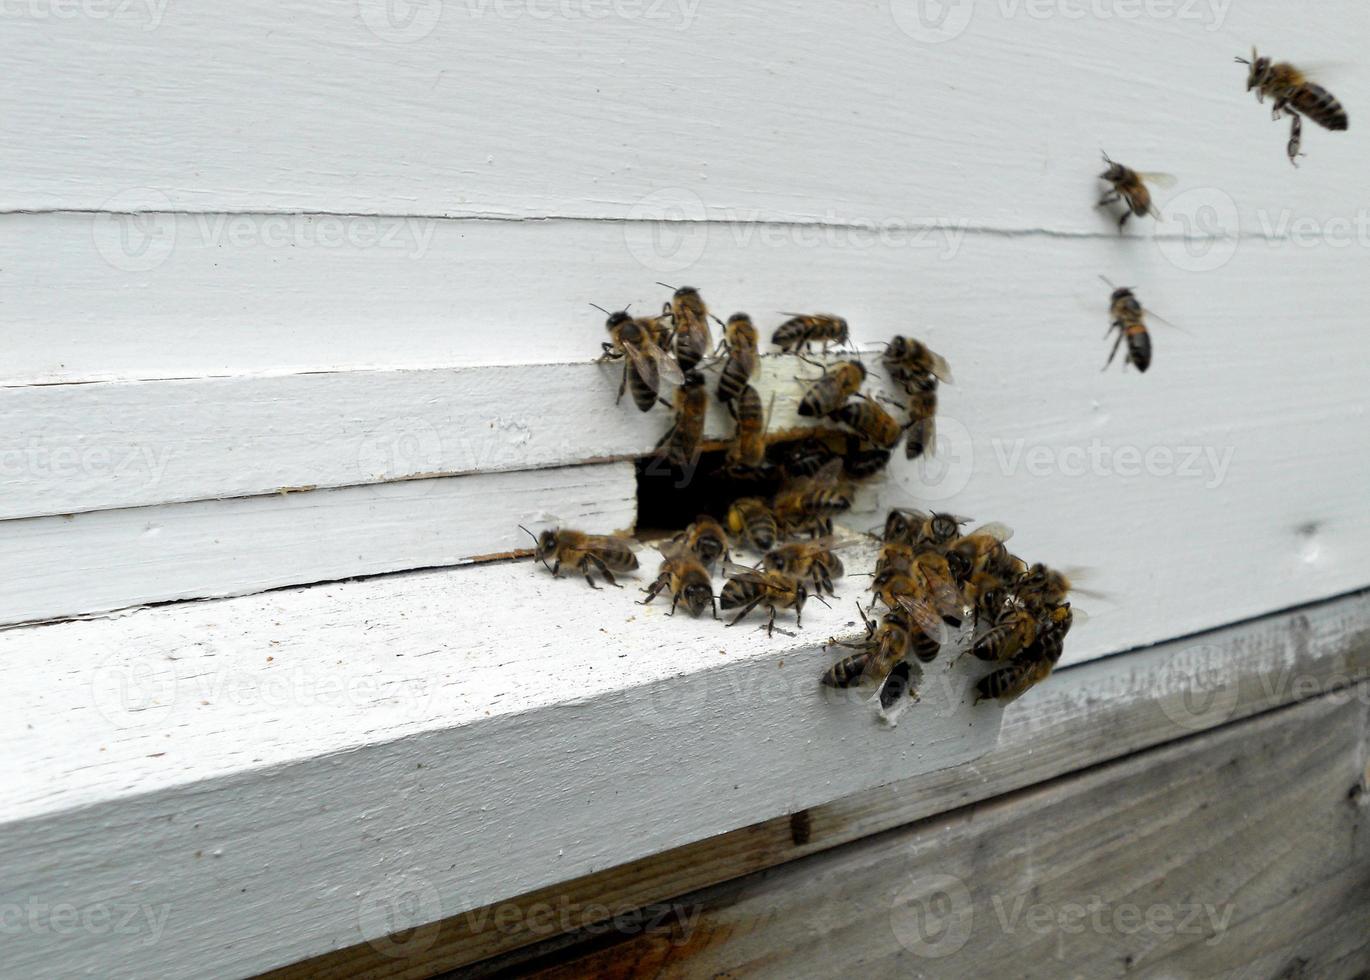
(637,342)
(806,456)
(747,454)
(706,539)
(751,521)
(971,553)
(809,503)
(925,590)
(903,526)
(831,391)
(815,562)
(1130,322)
(687,578)
(690,324)
(886,646)
(801,330)
(586,553)
(680,445)
(1031,665)
(875,425)
(862,460)
(1012,630)
(987,592)
(1295,96)
(739,338)
(1130,186)
(922,410)
(748,588)
(906,359)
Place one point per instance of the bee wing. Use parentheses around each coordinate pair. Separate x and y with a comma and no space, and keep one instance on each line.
(1153,315)
(663,366)
(645,366)
(923,613)
(996,530)
(828,474)
(940,368)
(1162,180)
(946,597)
(742,573)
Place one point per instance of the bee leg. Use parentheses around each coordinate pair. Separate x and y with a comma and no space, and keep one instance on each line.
(652,591)
(1109,198)
(556,569)
(1123,220)
(1113,353)
(1295,138)
(623,383)
(713,601)
(770,625)
(746,609)
(604,570)
(675,599)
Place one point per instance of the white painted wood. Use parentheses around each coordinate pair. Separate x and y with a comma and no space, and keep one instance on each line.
(527,716)
(524,110)
(105,560)
(310,769)
(88,447)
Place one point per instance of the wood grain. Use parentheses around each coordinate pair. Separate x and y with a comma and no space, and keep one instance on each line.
(1181,861)
(107,560)
(1087,715)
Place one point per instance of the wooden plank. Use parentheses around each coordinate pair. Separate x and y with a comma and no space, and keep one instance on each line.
(461,121)
(445,734)
(1185,861)
(123,444)
(493,697)
(112,559)
(215,304)
(1087,715)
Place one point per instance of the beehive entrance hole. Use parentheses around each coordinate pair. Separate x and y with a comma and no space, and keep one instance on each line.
(669,500)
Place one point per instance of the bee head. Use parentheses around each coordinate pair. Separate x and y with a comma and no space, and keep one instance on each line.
(943,527)
(1122,292)
(1115,172)
(1259,66)
(698,597)
(617,319)
(959,565)
(544,544)
(687,292)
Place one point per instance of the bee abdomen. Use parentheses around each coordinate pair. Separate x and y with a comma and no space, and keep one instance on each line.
(846,673)
(618,558)
(789,334)
(733,379)
(925,648)
(644,393)
(1000,684)
(1321,106)
(1139,349)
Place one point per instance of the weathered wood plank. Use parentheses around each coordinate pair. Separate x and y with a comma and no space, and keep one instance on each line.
(1087,715)
(111,559)
(743,127)
(1191,860)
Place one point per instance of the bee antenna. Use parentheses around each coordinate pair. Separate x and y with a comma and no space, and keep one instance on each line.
(667,285)
(1108,282)
(820,599)
(606,313)
(529,533)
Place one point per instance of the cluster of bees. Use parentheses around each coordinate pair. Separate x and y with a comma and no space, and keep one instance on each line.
(937,583)
(1294,96)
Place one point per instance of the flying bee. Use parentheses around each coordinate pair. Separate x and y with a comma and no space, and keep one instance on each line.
(751,521)
(1033,664)
(1130,186)
(971,552)
(921,405)
(1130,321)
(815,562)
(687,578)
(706,539)
(1295,96)
(680,445)
(586,553)
(906,359)
(810,503)
(801,330)
(831,391)
(748,588)
(690,324)
(862,459)
(873,423)
(637,342)
(739,338)
(746,455)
